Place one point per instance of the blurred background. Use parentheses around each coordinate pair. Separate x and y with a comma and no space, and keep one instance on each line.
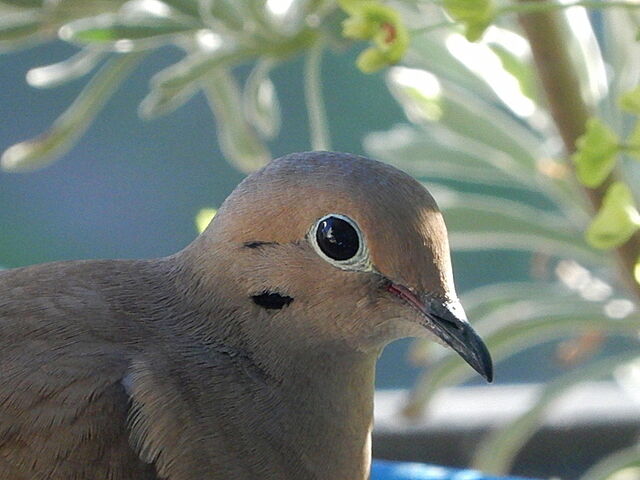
(544,244)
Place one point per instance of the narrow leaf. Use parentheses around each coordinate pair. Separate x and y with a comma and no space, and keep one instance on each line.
(438,153)
(497,452)
(466,114)
(161,101)
(229,13)
(188,7)
(110,28)
(614,464)
(480,303)
(526,327)
(56,74)
(67,129)
(238,139)
(430,53)
(484,222)
(198,65)
(260,100)
(175,85)
(19,26)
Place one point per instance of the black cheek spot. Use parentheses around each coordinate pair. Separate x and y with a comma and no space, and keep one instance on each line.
(258,244)
(271,300)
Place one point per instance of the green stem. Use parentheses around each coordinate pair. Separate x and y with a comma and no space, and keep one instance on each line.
(318,128)
(538,7)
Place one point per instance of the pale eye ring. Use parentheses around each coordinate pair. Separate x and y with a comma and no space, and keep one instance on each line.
(339,240)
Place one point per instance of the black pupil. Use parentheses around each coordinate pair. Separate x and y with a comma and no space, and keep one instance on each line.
(337,238)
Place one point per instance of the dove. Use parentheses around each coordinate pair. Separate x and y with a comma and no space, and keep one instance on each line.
(249,354)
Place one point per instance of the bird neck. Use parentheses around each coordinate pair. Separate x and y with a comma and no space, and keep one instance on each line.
(330,400)
(325,394)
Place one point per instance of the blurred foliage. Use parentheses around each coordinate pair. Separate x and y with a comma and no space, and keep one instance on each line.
(479,132)
(204,217)
(483,137)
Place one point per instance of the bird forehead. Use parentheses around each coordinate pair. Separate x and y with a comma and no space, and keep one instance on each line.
(281,202)
(400,221)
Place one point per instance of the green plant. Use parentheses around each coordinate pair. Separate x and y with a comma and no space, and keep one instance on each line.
(529,137)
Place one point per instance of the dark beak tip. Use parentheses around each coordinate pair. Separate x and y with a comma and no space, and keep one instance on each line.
(483,363)
(488,373)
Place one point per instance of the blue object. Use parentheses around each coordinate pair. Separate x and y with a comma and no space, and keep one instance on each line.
(388,470)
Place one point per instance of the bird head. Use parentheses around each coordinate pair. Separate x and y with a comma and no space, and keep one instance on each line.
(336,251)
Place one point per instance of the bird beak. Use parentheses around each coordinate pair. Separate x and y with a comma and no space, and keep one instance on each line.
(448,321)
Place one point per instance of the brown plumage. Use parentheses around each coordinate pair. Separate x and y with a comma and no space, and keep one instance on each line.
(250,354)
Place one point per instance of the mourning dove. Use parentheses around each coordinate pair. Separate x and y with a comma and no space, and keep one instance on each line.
(250,354)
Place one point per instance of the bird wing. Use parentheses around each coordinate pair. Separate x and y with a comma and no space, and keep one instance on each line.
(204,412)
(63,415)
(63,407)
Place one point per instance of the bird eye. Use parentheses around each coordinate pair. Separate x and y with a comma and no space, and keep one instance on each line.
(338,239)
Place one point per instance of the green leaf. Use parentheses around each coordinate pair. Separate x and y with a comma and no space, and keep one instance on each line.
(468,10)
(260,100)
(517,326)
(630,101)
(110,28)
(19,26)
(187,7)
(617,220)
(475,15)
(161,101)
(237,138)
(481,302)
(497,452)
(472,117)
(438,153)
(481,222)
(74,67)
(198,65)
(521,71)
(430,53)
(230,13)
(175,85)
(620,462)
(596,153)
(65,131)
